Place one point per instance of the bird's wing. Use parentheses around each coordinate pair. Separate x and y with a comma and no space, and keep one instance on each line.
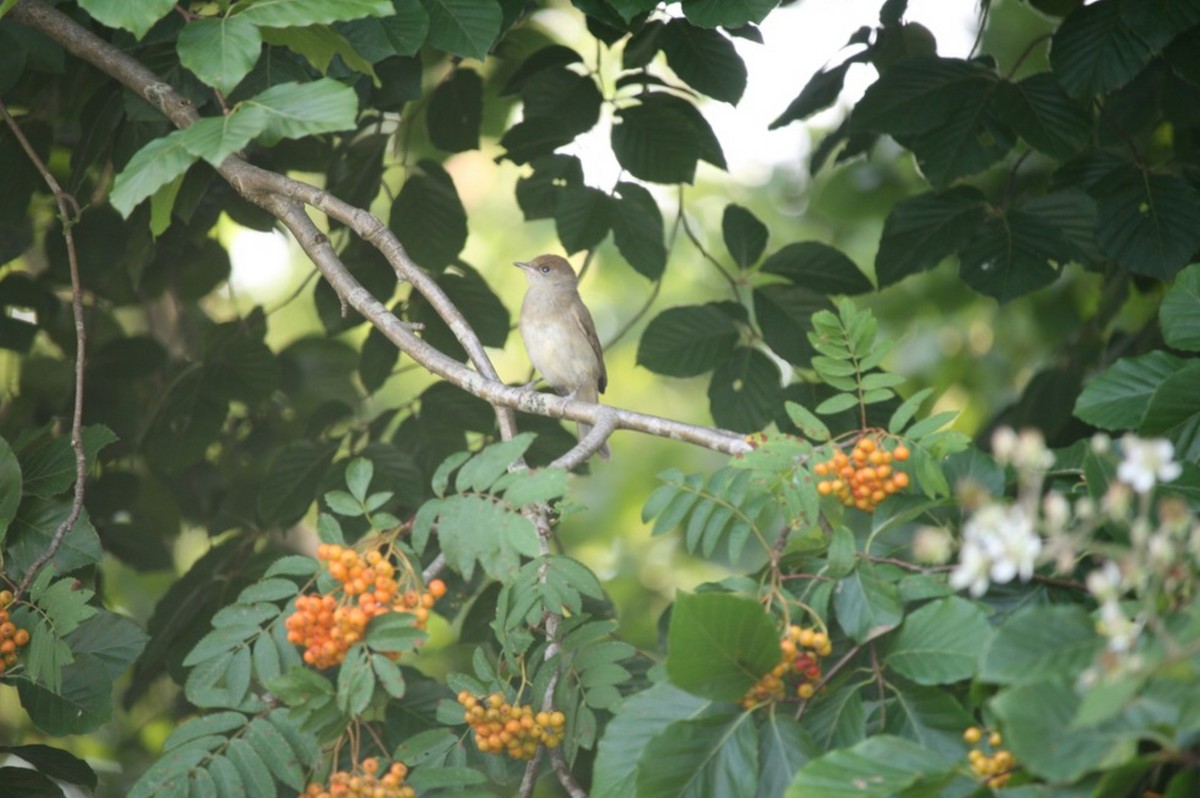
(584,320)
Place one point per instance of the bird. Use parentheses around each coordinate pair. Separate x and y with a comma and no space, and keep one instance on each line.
(559,334)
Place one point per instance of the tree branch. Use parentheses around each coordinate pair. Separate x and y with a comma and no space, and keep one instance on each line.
(284,197)
(68,211)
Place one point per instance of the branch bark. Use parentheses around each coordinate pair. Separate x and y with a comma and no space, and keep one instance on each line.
(285,198)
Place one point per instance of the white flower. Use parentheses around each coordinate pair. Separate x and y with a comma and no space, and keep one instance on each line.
(1056,510)
(1121,632)
(972,570)
(1147,462)
(1105,582)
(999,544)
(1004,442)
(932,545)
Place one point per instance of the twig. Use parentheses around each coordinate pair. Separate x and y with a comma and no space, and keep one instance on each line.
(691,234)
(564,775)
(68,211)
(529,779)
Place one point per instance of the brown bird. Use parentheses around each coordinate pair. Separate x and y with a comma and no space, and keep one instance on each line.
(560,335)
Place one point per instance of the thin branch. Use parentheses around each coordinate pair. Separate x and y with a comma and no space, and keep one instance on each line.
(529,779)
(564,775)
(68,211)
(695,239)
(284,197)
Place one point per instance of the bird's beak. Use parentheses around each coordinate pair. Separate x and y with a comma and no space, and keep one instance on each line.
(522,265)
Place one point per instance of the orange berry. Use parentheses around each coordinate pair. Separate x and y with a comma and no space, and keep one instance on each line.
(437,588)
(900,452)
(824,487)
(900,479)
(972,735)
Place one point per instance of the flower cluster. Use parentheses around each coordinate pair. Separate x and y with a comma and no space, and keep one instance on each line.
(865,477)
(517,730)
(12,637)
(328,625)
(994,769)
(999,544)
(800,652)
(364,782)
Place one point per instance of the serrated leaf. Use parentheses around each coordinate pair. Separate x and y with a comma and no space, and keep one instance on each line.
(920,231)
(655,141)
(745,391)
(220,50)
(810,426)
(745,236)
(1040,643)
(719,645)
(1149,223)
(818,267)
(637,227)
(455,112)
(907,409)
(582,217)
(1117,398)
(475,530)
(463,27)
(1094,51)
(820,92)
(1041,113)
(49,469)
(940,642)
(356,682)
(1178,314)
(687,341)
(276,753)
(250,767)
(866,605)
(428,217)
(714,755)
(894,765)
(137,18)
(393,632)
(478,473)
(292,480)
(542,485)
(705,60)
(727,13)
(296,110)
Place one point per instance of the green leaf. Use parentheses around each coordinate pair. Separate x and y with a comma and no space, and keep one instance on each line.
(483,469)
(687,341)
(866,605)
(922,94)
(1173,411)
(1035,717)
(226,777)
(531,139)
(455,112)
(471,294)
(705,60)
(25,782)
(355,683)
(213,138)
(921,231)
(1117,398)
(32,531)
(319,45)
(250,767)
(428,217)
(583,217)
(940,642)
(81,705)
(784,747)
(400,34)
(745,236)
(1094,51)
(543,485)
(932,717)
(220,50)
(296,110)
(1149,223)
(907,409)
(745,391)
(538,193)
(463,27)
(394,631)
(10,487)
(55,763)
(292,480)
(1041,113)
(168,774)
(1012,254)
(359,472)
(135,17)
(818,267)
(150,168)
(841,556)
(565,96)
(1040,643)
(474,529)
(114,640)
(727,13)
(292,13)
(549,57)
(879,767)
(1178,314)
(637,227)
(784,314)
(804,419)
(49,469)
(714,755)
(719,644)
(655,141)
(820,92)
(388,675)
(276,753)
(638,720)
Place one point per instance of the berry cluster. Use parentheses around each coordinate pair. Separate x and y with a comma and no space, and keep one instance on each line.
(327,626)
(865,477)
(516,730)
(995,769)
(364,782)
(11,637)
(800,652)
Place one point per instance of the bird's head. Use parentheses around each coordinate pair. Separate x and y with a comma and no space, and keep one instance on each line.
(548,270)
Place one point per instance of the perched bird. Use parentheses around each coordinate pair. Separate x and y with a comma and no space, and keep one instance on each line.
(560,335)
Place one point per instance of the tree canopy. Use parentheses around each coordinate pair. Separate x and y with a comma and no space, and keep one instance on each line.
(911,428)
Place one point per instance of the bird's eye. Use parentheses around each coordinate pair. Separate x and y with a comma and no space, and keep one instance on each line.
(545,270)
